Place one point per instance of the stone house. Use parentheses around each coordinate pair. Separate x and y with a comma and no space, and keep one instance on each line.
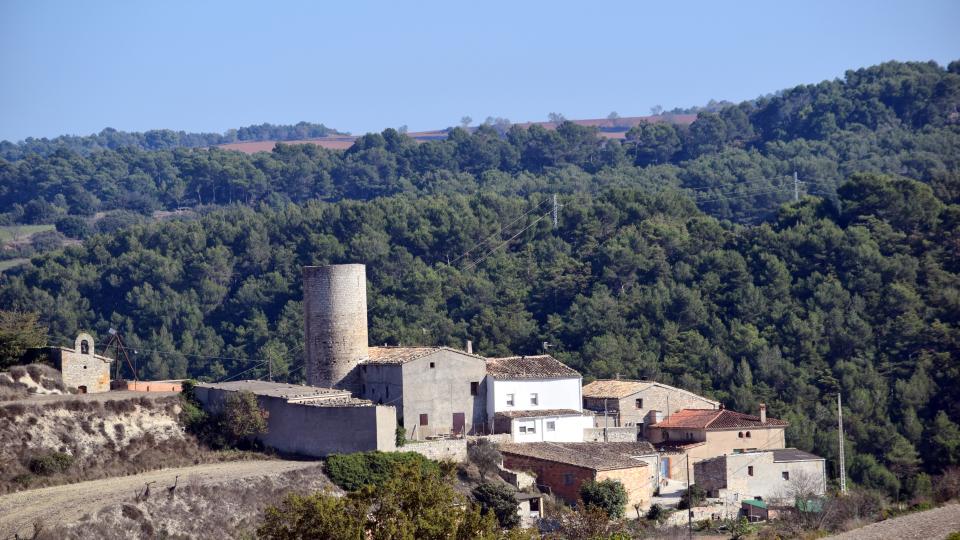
(777,475)
(562,468)
(437,391)
(624,403)
(697,434)
(535,398)
(81,367)
(309,420)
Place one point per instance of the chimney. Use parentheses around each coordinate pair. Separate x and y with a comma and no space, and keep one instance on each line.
(721,406)
(469,347)
(763,413)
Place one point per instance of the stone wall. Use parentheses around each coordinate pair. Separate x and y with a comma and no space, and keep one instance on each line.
(636,482)
(439,386)
(439,450)
(563,480)
(613,434)
(335,324)
(313,430)
(82,368)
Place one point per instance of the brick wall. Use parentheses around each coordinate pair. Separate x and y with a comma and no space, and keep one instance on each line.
(563,480)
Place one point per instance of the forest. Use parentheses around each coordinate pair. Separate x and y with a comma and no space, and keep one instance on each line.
(678,255)
(157,139)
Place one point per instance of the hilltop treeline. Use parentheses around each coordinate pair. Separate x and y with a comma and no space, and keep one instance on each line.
(861,296)
(157,139)
(898,118)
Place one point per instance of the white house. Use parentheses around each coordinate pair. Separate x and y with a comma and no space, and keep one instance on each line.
(535,398)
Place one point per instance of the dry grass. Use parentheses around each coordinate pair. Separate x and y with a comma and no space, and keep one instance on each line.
(105,439)
(229,510)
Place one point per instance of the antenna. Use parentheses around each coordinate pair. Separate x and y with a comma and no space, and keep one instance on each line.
(796,187)
(556,211)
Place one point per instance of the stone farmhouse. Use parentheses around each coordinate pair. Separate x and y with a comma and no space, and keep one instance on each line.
(698,434)
(769,475)
(624,403)
(436,390)
(535,398)
(562,468)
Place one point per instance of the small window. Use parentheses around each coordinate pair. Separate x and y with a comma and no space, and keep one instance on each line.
(551,426)
(84,347)
(523,429)
(424,420)
(474,388)
(740,434)
(509,400)
(786,475)
(534,400)
(640,403)
(567,479)
(433,365)
(532,429)
(748,434)
(750,470)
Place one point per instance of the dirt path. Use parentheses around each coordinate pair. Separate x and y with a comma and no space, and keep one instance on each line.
(933,524)
(62,504)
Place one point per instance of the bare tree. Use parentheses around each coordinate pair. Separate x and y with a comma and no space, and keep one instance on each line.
(556,118)
(656,110)
(465,121)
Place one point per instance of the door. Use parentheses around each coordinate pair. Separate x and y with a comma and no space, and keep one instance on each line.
(459,422)
(665,467)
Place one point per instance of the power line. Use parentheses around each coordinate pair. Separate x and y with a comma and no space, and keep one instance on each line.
(484,257)
(498,233)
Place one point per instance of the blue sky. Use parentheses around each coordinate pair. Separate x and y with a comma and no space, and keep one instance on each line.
(76,67)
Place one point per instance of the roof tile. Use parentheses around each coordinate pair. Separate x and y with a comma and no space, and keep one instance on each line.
(715,419)
(541,366)
(599,456)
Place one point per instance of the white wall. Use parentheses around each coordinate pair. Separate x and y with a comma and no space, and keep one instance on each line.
(551,394)
(566,428)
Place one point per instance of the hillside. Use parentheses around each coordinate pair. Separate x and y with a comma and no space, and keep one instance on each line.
(678,255)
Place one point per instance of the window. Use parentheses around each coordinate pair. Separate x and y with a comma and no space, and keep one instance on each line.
(551,426)
(750,470)
(433,365)
(509,400)
(567,479)
(748,434)
(689,436)
(640,403)
(423,420)
(532,428)
(786,475)
(84,347)
(534,399)
(474,388)
(523,429)
(740,434)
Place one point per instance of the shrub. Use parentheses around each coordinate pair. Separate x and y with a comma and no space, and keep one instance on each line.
(353,471)
(73,227)
(51,463)
(500,500)
(401,436)
(485,454)
(243,418)
(692,497)
(655,513)
(607,495)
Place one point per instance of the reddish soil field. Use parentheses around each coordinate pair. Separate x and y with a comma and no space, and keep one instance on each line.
(342,142)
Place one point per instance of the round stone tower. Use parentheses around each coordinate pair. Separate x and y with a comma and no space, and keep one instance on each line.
(335,320)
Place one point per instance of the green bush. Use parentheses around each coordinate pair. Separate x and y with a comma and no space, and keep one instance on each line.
(692,497)
(655,513)
(500,500)
(401,435)
(607,495)
(51,463)
(353,471)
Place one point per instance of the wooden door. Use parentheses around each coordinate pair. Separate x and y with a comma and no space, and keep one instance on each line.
(459,422)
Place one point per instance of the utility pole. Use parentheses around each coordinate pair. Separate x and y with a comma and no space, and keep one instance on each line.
(556,211)
(843,466)
(796,187)
(689,501)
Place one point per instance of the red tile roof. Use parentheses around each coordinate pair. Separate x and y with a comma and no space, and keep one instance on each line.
(715,419)
(599,456)
(541,366)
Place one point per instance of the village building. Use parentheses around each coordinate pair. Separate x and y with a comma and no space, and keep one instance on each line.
(535,398)
(562,468)
(692,435)
(778,475)
(310,421)
(625,403)
(80,367)
(437,391)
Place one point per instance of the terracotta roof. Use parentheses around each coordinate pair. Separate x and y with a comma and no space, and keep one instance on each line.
(541,366)
(613,388)
(535,413)
(402,355)
(715,419)
(599,456)
(619,389)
